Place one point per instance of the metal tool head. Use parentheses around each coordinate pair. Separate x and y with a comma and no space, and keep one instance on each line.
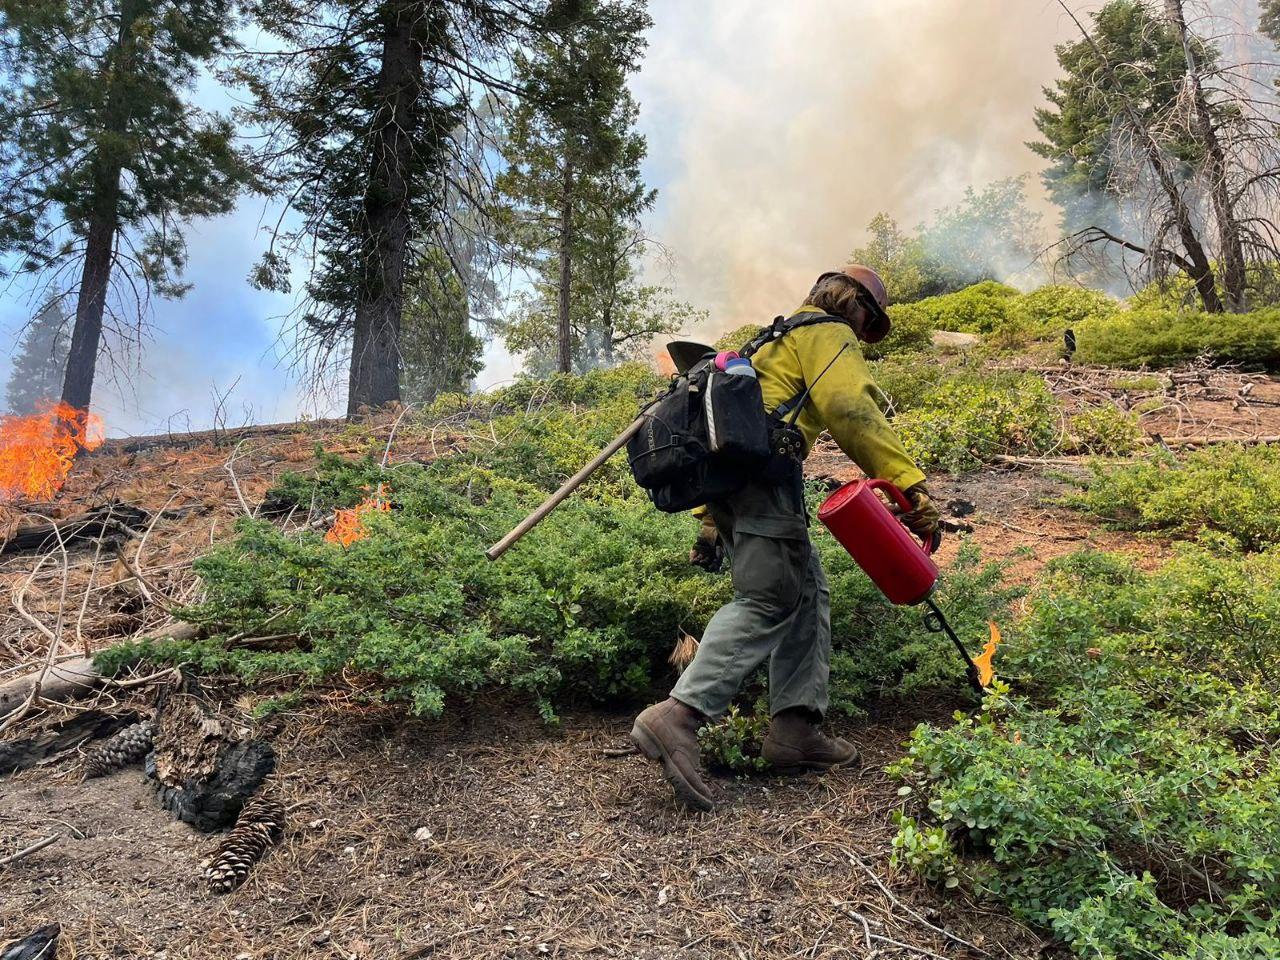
(685,353)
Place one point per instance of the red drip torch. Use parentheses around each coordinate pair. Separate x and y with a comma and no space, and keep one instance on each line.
(888,554)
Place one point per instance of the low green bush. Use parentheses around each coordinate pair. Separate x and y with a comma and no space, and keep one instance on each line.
(584,610)
(1055,308)
(910,331)
(980,308)
(1156,337)
(1126,798)
(970,417)
(906,381)
(1104,430)
(733,743)
(1226,488)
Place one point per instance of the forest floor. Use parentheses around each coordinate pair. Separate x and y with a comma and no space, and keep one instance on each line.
(486,834)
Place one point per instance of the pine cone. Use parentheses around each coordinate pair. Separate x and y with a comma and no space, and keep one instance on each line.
(122,749)
(260,825)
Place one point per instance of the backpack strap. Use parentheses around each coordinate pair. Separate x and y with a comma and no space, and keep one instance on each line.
(780,327)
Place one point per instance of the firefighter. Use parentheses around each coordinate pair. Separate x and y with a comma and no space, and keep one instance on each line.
(781,609)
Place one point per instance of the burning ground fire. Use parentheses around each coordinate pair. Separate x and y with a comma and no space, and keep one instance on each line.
(348,524)
(38,451)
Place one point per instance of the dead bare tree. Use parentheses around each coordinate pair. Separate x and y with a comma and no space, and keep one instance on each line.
(1208,215)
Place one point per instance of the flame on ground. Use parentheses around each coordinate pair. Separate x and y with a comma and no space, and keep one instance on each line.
(987,672)
(348,523)
(38,451)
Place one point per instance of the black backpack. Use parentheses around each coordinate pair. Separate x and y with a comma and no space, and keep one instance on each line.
(709,433)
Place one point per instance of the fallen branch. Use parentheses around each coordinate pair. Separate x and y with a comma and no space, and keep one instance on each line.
(28,851)
(77,678)
(1203,441)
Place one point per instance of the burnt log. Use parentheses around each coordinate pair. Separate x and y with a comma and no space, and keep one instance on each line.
(112,523)
(40,945)
(206,763)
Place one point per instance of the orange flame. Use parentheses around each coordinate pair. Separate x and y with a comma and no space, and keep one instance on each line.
(348,523)
(663,362)
(987,672)
(38,451)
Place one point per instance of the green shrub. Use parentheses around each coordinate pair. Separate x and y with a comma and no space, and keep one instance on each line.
(906,382)
(980,308)
(1227,488)
(925,850)
(733,743)
(584,609)
(910,331)
(1139,383)
(1104,430)
(1126,800)
(1157,337)
(1055,308)
(970,417)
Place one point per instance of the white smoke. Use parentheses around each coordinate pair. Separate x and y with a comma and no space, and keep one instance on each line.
(777,131)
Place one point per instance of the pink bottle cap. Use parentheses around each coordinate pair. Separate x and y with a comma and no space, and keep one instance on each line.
(723,358)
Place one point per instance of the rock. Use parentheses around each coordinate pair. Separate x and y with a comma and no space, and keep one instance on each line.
(950,340)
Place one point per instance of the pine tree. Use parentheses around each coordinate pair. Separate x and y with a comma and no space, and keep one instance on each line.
(440,352)
(373,110)
(103,157)
(573,194)
(40,361)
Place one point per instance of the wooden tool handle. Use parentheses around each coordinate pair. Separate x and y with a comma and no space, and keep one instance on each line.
(566,488)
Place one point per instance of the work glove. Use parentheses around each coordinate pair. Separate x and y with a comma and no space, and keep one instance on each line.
(708,551)
(923,519)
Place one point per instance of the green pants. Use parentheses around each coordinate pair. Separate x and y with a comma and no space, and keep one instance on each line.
(781,609)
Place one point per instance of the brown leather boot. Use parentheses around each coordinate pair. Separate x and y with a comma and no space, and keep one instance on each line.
(795,744)
(668,731)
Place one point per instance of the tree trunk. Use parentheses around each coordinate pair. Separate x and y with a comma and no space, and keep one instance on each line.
(606,338)
(563,330)
(86,335)
(104,222)
(375,348)
(1230,248)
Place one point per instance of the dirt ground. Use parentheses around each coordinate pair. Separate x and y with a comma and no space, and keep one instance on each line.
(490,835)
(493,839)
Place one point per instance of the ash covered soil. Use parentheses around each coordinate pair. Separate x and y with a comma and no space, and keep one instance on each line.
(487,834)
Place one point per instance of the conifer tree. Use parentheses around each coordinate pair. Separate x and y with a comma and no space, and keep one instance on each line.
(572,192)
(103,155)
(372,111)
(440,351)
(40,360)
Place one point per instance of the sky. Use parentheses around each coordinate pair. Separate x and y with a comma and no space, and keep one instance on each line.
(776,131)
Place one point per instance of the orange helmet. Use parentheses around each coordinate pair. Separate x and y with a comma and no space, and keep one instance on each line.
(875,301)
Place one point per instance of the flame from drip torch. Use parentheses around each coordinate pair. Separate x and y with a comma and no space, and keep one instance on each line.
(986,671)
(38,451)
(348,523)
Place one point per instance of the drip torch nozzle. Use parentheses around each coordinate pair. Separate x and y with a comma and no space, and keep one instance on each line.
(936,622)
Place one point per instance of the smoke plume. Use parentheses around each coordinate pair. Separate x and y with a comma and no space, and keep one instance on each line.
(777,131)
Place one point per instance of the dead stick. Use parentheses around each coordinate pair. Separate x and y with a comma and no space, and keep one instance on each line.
(566,488)
(35,847)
